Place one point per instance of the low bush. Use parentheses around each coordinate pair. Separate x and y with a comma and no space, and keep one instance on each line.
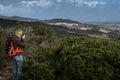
(81,58)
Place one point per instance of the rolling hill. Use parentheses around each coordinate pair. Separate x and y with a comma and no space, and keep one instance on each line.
(77,28)
(17,18)
(63,27)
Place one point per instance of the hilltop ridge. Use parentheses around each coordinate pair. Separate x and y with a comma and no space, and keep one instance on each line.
(63,26)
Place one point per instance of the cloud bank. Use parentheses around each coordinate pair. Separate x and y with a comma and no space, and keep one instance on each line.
(48,3)
(94,3)
(39,3)
(91,4)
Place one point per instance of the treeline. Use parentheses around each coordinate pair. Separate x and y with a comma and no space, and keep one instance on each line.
(49,57)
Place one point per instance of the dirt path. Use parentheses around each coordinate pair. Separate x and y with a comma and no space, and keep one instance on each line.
(6,73)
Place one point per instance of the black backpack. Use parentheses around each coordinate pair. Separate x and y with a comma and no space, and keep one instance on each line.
(8,43)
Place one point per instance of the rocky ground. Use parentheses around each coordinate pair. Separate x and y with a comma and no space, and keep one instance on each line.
(6,72)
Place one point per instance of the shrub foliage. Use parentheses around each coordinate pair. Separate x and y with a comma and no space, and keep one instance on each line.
(74,58)
(49,57)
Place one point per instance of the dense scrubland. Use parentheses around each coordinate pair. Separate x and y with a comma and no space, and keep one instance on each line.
(48,56)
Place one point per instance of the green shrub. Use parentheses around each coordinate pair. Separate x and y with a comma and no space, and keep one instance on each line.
(75,59)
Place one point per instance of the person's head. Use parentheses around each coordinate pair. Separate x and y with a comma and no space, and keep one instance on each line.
(18,32)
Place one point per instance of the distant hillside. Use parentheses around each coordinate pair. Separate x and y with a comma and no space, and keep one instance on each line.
(10,23)
(105,22)
(77,28)
(63,27)
(20,18)
(109,25)
(60,20)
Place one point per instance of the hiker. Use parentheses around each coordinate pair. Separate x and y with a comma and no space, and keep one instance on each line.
(16,44)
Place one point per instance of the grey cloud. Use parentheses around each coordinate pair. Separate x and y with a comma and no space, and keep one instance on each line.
(39,3)
(48,3)
(4,7)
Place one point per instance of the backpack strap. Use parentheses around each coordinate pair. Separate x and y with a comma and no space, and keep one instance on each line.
(13,51)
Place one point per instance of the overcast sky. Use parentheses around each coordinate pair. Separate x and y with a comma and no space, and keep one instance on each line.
(79,10)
